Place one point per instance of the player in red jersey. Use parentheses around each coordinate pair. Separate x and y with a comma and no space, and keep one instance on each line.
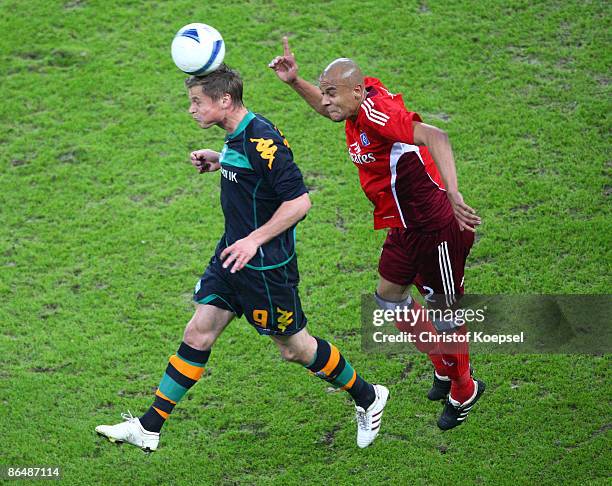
(407,170)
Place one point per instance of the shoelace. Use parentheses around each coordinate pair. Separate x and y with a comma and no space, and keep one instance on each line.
(362,420)
(128,416)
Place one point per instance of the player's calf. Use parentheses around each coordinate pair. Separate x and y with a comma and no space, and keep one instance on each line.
(417,325)
(325,361)
(182,372)
(370,400)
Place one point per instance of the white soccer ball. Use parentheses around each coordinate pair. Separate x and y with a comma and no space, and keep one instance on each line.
(198,49)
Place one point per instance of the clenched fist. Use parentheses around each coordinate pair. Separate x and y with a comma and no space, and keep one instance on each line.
(205,160)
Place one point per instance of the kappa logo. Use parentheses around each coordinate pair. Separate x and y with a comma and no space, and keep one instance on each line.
(285,319)
(364,139)
(266,148)
(284,139)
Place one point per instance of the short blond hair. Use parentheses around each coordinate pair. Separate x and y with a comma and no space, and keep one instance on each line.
(221,81)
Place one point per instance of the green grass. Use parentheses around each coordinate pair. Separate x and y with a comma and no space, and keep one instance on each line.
(105,228)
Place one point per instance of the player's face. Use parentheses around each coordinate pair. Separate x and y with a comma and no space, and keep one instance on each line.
(206,111)
(340,100)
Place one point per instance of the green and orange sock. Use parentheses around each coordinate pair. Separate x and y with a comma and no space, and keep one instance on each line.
(183,371)
(329,365)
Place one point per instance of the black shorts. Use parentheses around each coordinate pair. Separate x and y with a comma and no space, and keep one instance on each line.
(269,299)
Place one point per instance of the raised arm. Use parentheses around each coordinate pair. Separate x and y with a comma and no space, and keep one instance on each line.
(439,145)
(286,69)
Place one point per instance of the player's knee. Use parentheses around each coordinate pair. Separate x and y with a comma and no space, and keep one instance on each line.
(409,318)
(288,354)
(398,308)
(386,304)
(198,339)
(291,354)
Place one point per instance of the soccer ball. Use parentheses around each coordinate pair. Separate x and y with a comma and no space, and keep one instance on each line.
(198,49)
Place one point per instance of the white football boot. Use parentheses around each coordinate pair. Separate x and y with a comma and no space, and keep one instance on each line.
(130,431)
(368,421)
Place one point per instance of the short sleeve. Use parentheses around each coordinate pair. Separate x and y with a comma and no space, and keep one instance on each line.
(272,158)
(392,121)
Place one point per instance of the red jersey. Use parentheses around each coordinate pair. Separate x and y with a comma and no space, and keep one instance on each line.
(400,178)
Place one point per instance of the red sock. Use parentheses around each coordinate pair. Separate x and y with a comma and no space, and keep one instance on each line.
(456,357)
(417,326)
(462,388)
(422,324)
(438,362)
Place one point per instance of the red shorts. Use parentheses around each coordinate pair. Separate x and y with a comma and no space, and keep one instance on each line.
(434,261)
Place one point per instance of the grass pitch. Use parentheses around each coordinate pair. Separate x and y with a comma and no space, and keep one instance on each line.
(105,228)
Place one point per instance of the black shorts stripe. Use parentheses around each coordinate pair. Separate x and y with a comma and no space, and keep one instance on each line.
(177,376)
(338,369)
(163,405)
(192,354)
(323,353)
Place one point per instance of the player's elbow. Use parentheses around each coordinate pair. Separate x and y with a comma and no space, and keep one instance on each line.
(433,137)
(438,137)
(429,135)
(305,204)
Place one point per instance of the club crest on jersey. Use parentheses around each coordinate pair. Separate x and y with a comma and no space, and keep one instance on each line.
(364,139)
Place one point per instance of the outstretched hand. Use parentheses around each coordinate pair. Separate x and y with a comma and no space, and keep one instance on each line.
(465,215)
(285,66)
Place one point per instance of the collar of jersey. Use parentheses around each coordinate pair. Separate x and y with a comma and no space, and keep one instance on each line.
(242,125)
